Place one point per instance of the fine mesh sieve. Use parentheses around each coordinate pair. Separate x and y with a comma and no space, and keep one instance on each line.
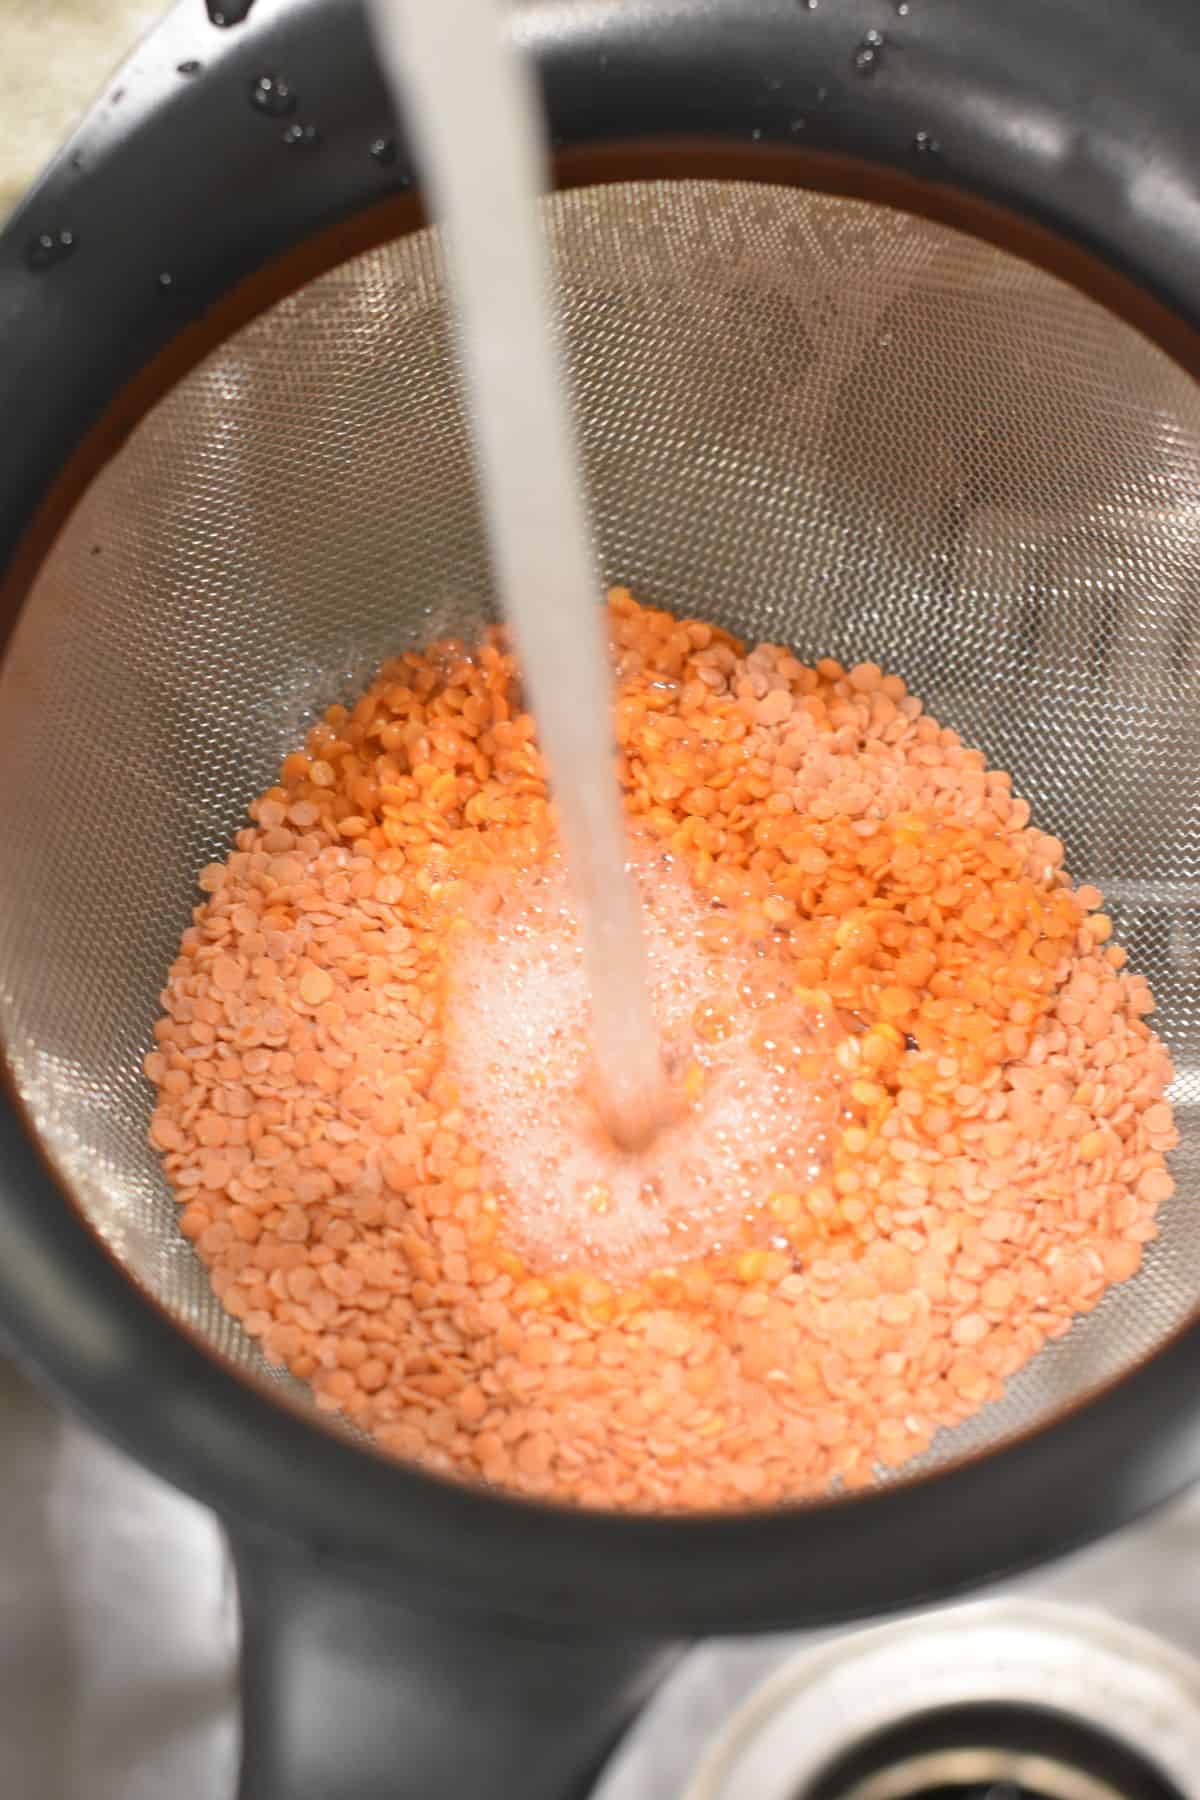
(813,420)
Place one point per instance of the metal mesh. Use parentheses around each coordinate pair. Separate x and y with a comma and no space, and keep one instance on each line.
(811,419)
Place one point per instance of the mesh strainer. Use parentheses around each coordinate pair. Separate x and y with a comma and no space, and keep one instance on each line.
(812,417)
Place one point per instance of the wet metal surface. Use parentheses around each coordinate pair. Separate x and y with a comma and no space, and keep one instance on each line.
(118,1636)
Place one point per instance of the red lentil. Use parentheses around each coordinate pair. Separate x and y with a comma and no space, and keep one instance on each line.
(999,1161)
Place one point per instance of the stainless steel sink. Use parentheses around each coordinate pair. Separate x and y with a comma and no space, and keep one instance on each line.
(117,1624)
(118,1633)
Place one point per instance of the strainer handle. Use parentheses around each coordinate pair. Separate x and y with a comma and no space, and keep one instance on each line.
(349,1693)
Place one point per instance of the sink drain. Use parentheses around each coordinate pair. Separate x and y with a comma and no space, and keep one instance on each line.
(981,1775)
(1000,1700)
(991,1753)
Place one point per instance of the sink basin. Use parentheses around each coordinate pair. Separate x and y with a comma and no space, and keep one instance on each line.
(119,1650)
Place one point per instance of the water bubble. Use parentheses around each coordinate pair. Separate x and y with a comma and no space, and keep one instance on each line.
(383,149)
(226,13)
(190,67)
(272,95)
(902,9)
(925,144)
(165,281)
(49,248)
(302,137)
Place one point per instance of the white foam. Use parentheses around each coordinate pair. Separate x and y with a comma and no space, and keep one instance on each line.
(517,1035)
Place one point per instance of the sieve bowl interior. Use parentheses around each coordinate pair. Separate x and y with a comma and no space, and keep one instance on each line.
(812,420)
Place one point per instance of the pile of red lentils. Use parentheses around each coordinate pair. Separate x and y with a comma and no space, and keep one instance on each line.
(997,1166)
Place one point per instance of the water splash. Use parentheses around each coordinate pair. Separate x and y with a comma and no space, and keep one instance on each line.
(757,1091)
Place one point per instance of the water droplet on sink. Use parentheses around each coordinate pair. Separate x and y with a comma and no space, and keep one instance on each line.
(166,281)
(271,94)
(49,248)
(868,56)
(302,137)
(226,13)
(190,67)
(902,9)
(925,144)
(383,150)
(796,126)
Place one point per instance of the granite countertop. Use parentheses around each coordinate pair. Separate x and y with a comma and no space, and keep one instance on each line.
(54,57)
(118,1626)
